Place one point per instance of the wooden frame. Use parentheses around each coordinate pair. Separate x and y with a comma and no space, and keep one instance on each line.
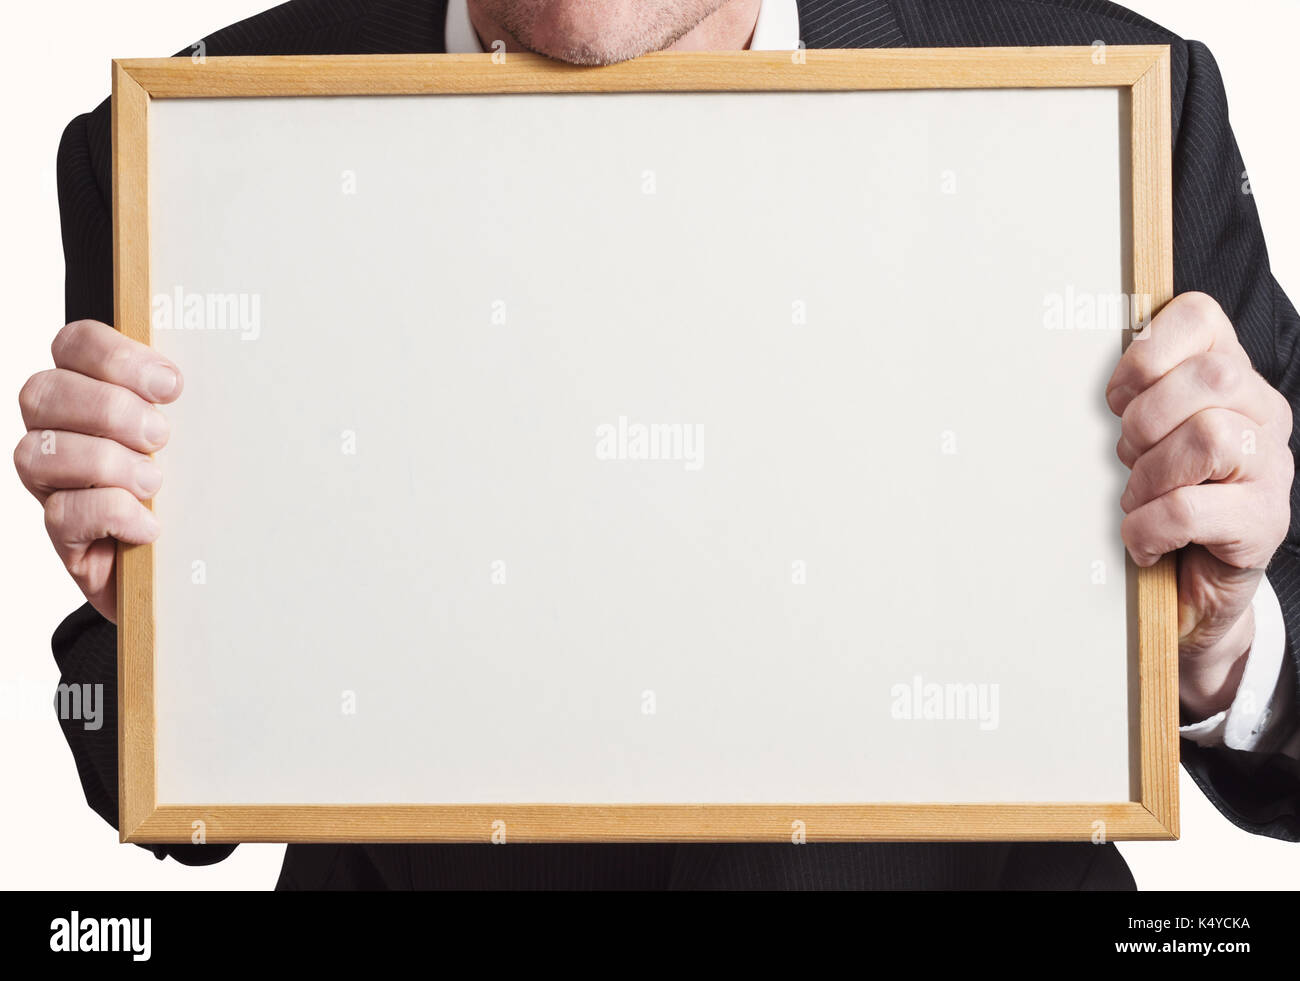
(1142,71)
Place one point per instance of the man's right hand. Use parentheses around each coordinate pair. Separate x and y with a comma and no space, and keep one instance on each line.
(90,427)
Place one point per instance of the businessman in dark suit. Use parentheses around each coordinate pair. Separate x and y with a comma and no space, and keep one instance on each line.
(1220,361)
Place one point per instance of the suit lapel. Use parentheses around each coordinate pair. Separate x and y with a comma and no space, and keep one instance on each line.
(849,24)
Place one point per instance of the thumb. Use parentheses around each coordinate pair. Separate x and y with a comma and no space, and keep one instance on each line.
(1212,596)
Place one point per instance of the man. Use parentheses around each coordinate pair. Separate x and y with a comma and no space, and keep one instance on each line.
(1219,362)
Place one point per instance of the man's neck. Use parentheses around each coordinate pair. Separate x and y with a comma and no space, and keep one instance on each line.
(729,28)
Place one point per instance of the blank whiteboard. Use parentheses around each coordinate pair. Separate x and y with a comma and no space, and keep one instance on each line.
(623,457)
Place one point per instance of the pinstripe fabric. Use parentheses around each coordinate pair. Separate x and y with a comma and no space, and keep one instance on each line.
(848,24)
(1219,248)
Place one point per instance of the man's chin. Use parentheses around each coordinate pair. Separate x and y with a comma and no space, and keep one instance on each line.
(591,47)
(598,32)
(592,55)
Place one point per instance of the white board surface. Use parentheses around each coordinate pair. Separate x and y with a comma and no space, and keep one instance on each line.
(399,564)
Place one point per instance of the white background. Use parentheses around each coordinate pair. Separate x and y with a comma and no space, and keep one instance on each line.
(55,65)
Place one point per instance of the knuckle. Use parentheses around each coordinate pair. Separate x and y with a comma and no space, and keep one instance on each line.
(117,411)
(1283,410)
(1137,425)
(1286,465)
(1277,532)
(78,568)
(1127,531)
(32,394)
(95,465)
(26,454)
(1138,480)
(66,339)
(1140,360)
(121,362)
(1199,306)
(56,512)
(1277,487)
(22,461)
(1133,531)
(1214,432)
(118,507)
(1219,373)
(1181,506)
(1121,448)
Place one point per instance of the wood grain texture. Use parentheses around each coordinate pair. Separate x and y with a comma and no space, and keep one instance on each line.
(676,822)
(1143,70)
(131,299)
(1153,275)
(665,71)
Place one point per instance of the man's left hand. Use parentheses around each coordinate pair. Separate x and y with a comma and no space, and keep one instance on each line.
(1206,439)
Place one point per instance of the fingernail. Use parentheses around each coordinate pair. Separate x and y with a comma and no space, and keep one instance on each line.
(149,477)
(151,523)
(1119,398)
(155,428)
(1126,501)
(159,381)
(1187,620)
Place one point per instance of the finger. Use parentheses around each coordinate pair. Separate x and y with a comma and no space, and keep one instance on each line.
(1191,323)
(82,524)
(78,517)
(51,460)
(1213,380)
(1211,599)
(66,400)
(1211,445)
(96,576)
(98,351)
(1208,514)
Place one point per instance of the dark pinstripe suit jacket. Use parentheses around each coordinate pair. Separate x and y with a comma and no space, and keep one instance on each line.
(1219,249)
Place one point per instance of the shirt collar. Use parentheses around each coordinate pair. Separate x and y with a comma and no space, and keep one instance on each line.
(460,35)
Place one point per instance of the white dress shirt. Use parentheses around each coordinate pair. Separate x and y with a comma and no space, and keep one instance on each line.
(1262,705)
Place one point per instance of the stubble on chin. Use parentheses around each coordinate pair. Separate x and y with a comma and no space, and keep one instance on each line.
(578,44)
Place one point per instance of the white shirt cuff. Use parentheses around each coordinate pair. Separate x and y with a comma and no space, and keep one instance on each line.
(1256,710)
